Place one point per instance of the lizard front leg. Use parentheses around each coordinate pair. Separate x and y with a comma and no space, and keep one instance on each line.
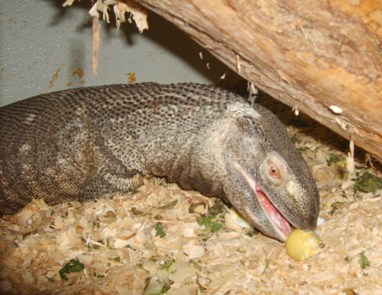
(115,173)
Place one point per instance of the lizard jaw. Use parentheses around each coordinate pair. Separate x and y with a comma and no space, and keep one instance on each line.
(279,223)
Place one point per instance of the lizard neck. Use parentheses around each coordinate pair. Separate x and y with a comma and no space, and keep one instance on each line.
(200,164)
(166,153)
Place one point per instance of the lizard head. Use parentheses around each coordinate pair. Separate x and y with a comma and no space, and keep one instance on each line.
(273,187)
(265,178)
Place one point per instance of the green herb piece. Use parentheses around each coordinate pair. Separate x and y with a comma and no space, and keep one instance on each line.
(93,246)
(251,232)
(335,206)
(363,260)
(334,159)
(241,250)
(156,287)
(217,208)
(159,231)
(72,266)
(149,246)
(209,221)
(210,225)
(167,264)
(168,205)
(110,215)
(116,259)
(295,139)
(166,288)
(303,148)
(134,191)
(368,183)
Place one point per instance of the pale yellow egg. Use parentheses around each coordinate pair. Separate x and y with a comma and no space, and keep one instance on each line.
(301,244)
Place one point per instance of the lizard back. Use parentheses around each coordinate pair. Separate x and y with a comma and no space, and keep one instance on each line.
(85,142)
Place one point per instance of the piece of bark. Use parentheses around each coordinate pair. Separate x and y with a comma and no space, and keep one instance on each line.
(310,54)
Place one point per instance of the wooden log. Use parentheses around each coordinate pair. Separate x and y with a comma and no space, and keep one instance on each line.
(310,54)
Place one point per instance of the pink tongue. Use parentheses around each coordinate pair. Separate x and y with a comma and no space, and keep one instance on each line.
(277,219)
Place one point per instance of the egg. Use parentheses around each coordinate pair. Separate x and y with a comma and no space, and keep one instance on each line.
(301,244)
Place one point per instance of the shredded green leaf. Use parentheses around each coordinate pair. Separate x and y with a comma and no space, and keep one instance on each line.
(110,215)
(210,221)
(74,265)
(166,288)
(251,232)
(363,260)
(303,148)
(295,139)
(156,287)
(117,258)
(167,264)
(334,159)
(217,208)
(169,205)
(159,231)
(335,206)
(210,225)
(368,183)
(134,191)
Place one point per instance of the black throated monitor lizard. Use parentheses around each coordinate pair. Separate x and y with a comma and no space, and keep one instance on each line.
(89,142)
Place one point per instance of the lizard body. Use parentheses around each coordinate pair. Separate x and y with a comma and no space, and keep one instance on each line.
(88,142)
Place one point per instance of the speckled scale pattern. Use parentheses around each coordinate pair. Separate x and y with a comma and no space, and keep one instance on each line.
(85,142)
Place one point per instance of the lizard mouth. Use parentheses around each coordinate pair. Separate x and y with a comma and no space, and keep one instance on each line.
(279,223)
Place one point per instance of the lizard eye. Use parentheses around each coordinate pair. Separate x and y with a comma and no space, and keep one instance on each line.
(273,171)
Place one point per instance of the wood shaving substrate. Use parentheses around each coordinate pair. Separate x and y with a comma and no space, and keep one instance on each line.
(149,242)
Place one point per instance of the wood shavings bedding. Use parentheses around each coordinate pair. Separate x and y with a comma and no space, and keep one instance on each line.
(162,239)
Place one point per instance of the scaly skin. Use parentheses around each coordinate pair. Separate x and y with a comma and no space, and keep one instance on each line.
(90,142)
